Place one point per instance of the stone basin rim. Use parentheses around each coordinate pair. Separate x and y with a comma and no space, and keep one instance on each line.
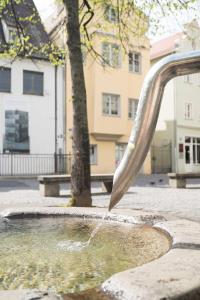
(145,218)
(137,283)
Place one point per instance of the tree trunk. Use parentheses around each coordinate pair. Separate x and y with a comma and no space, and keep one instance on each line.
(80,176)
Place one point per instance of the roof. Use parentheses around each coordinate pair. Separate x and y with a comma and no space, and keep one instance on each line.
(165,46)
(34,29)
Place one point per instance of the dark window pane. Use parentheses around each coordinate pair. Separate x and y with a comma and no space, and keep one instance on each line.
(134,62)
(5,80)
(16,138)
(137,66)
(119,152)
(132,108)
(111,14)
(136,56)
(198,154)
(93,154)
(187,139)
(111,104)
(130,56)
(194,154)
(114,106)
(187,154)
(33,83)
(130,61)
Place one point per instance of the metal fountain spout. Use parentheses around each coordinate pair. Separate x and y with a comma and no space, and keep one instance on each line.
(147,116)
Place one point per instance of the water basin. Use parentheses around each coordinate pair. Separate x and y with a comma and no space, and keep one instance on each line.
(54,253)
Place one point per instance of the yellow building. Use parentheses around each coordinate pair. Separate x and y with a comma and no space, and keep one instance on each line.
(112,97)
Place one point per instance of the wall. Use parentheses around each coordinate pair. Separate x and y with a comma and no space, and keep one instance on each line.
(172,124)
(165,132)
(188,92)
(41,109)
(106,131)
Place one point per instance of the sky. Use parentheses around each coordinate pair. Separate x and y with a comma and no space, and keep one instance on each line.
(45,7)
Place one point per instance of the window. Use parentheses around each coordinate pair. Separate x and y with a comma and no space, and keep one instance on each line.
(192,150)
(12,35)
(33,83)
(132,108)
(187,78)
(134,62)
(196,150)
(111,104)
(188,111)
(119,152)
(16,138)
(84,53)
(187,139)
(192,78)
(5,80)
(111,54)
(187,154)
(93,154)
(111,14)
(10,32)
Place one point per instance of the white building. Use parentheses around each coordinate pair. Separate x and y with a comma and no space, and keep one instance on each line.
(176,144)
(32,106)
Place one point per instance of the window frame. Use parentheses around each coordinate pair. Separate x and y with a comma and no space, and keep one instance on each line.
(110,61)
(110,106)
(120,149)
(12,128)
(188,113)
(192,144)
(109,14)
(133,68)
(12,34)
(32,92)
(9,89)
(188,78)
(135,101)
(95,155)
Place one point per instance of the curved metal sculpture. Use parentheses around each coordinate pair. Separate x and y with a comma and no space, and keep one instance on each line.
(147,116)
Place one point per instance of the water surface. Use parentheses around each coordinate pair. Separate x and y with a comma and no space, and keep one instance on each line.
(54,252)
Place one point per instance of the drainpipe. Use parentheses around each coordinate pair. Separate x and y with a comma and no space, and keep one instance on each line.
(64,107)
(56,118)
(176,154)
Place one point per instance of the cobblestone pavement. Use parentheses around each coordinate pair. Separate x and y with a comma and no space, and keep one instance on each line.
(150,193)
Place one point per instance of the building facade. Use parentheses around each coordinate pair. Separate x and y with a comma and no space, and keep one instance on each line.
(176,143)
(27,107)
(31,104)
(112,93)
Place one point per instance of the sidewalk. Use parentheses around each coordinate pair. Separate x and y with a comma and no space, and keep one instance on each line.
(150,193)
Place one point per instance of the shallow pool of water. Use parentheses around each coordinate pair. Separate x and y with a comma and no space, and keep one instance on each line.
(54,253)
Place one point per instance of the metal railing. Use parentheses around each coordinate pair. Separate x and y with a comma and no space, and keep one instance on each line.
(34,164)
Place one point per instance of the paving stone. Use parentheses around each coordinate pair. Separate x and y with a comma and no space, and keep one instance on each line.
(159,199)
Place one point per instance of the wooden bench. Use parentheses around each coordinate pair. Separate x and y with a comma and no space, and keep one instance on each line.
(49,185)
(178,180)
